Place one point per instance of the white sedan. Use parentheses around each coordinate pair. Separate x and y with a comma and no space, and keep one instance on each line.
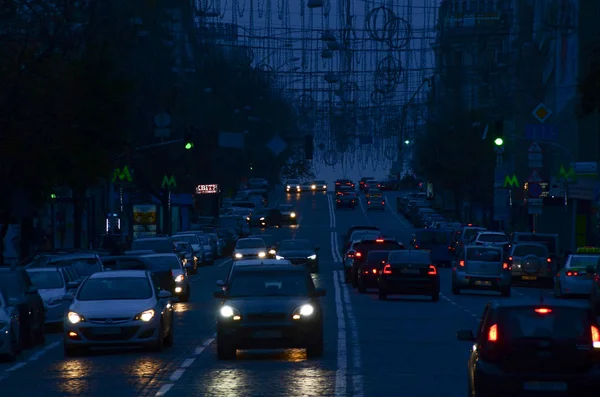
(575,279)
(119,308)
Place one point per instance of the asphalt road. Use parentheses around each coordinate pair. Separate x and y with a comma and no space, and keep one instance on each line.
(401,347)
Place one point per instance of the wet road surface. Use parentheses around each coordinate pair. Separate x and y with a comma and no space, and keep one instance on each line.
(401,347)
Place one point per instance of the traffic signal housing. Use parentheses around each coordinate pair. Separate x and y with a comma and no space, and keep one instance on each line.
(308,147)
(498,133)
(188,139)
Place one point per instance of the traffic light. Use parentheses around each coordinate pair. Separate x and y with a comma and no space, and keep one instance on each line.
(188,139)
(498,133)
(308,147)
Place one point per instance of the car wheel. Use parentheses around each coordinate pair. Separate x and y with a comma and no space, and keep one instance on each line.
(382,295)
(170,339)
(225,348)
(14,349)
(435,297)
(185,297)
(27,335)
(159,345)
(315,348)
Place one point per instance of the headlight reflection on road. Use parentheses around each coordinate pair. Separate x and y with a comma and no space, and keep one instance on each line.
(305,382)
(230,383)
(74,376)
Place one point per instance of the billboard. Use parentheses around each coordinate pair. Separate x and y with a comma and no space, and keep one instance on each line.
(144,220)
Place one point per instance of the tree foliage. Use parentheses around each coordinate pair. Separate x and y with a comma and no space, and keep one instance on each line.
(589,90)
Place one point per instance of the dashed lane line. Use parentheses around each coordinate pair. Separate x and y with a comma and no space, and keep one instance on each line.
(402,219)
(458,306)
(34,357)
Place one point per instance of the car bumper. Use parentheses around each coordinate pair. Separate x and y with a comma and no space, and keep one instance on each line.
(368,279)
(519,276)
(375,206)
(180,289)
(490,380)
(107,335)
(293,190)
(270,336)
(288,219)
(576,289)
(346,204)
(409,285)
(480,282)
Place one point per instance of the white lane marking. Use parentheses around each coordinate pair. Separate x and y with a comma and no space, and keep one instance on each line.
(331,211)
(164,389)
(357,380)
(187,362)
(16,367)
(224,263)
(334,250)
(364,210)
(459,306)
(40,353)
(177,374)
(200,349)
(342,356)
(401,218)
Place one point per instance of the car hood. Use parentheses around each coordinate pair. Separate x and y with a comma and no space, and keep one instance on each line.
(245,251)
(296,253)
(268,304)
(48,294)
(112,308)
(196,247)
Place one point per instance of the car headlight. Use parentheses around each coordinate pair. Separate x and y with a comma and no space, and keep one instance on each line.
(184,261)
(195,258)
(272,252)
(230,313)
(303,311)
(279,257)
(247,218)
(313,257)
(238,255)
(179,278)
(293,215)
(262,218)
(313,187)
(262,254)
(324,186)
(74,318)
(288,186)
(145,315)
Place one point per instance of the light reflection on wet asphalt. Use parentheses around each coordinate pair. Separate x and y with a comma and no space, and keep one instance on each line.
(407,346)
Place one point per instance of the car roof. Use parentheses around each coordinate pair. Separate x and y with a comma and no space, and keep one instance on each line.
(534,243)
(491,232)
(286,267)
(262,262)
(152,238)
(159,255)
(120,273)
(43,269)
(186,234)
(248,238)
(524,302)
(79,255)
(495,247)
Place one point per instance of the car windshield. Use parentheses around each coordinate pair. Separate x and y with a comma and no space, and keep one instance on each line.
(413,257)
(190,239)
(51,279)
(524,249)
(182,246)
(432,238)
(321,183)
(559,323)
(583,261)
(376,257)
(290,245)
(83,267)
(268,240)
(362,234)
(484,255)
(492,238)
(164,262)
(271,283)
(468,233)
(285,207)
(261,212)
(250,243)
(548,240)
(156,245)
(372,246)
(115,288)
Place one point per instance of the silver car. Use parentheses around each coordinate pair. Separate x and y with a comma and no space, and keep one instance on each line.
(249,248)
(119,308)
(54,286)
(10,342)
(576,278)
(481,268)
(531,262)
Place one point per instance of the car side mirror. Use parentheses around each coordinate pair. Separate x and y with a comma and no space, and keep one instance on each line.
(164,295)
(73,285)
(220,283)
(319,293)
(219,294)
(69,296)
(465,335)
(32,290)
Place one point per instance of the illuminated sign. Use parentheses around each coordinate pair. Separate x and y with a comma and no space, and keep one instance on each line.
(168,183)
(566,175)
(511,181)
(207,189)
(122,175)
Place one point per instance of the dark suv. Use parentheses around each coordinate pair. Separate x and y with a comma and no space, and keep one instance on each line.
(361,252)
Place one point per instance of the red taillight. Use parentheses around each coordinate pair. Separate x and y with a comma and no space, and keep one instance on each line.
(337,183)
(595,336)
(549,260)
(378,185)
(358,254)
(572,274)
(379,240)
(461,263)
(374,271)
(469,224)
(416,246)
(505,266)
(432,270)
(368,202)
(543,310)
(383,202)
(350,255)
(510,258)
(493,333)
(387,269)
(596,277)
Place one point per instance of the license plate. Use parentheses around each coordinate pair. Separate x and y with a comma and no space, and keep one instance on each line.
(107,331)
(545,386)
(267,334)
(480,282)
(529,278)
(410,271)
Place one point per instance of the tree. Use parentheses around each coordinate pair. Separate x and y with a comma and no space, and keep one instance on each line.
(589,87)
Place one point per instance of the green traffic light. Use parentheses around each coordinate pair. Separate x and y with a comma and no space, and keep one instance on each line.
(189,145)
(52,196)
(499,141)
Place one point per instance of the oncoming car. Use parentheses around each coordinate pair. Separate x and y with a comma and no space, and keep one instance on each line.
(249,248)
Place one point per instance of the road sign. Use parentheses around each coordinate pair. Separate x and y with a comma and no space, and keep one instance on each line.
(535,202)
(565,175)
(534,177)
(534,189)
(535,160)
(277,145)
(534,148)
(168,183)
(511,181)
(541,132)
(541,113)
(586,168)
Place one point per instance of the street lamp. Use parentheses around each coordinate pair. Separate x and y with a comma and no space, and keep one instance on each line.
(407,142)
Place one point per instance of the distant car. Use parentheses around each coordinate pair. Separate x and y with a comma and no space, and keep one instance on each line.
(308,186)
(388,184)
(364,181)
(532,263)
(267,217)
(293,186)
(482,268)
(282,296)
(575,279)
(362,249)
(170,275)
(346,199)
(376,202)
(119,308)
(370,269)
(320,186)
(528,348)
(270,243)
(249,248)
(193,239)
(288,214)
(409,273)
(186,254)
(299,252)
(54,285)
(343,183)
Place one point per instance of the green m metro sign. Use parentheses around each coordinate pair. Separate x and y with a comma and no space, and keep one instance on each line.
(122,175)
(169,182)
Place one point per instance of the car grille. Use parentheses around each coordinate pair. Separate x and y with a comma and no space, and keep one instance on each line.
(249,256)
(297,261)
(125,334)
(108,320)
(266,317)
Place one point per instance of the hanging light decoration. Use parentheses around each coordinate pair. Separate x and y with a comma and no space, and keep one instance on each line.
(328,35)
(315,3)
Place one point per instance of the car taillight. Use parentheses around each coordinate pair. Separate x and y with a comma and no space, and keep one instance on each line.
(383,202)
(387,269)
(379,240)
(493,333)
(368,202)
(510,258)
(338,201)
(416,246)
(374,271)
(572,274)
(358,254)
(549,260)
(350,255)
(596,277)
(505,266)
(543,310)
(461,263)
(432,270)
(595,336)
